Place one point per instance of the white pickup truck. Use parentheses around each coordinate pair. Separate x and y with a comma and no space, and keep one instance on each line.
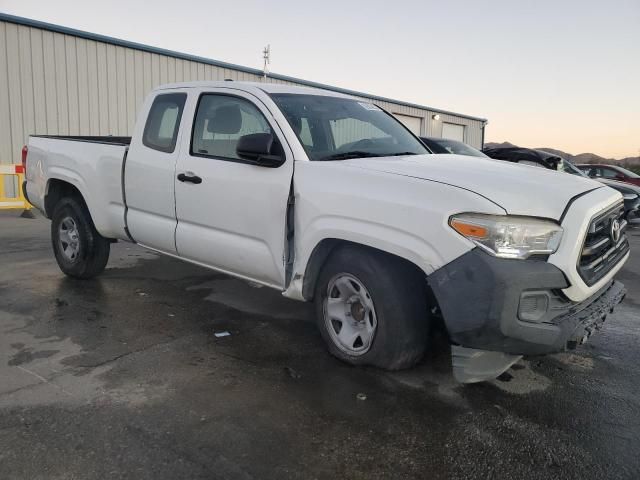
(330,199)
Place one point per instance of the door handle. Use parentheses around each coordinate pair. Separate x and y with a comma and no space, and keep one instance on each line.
(183,177)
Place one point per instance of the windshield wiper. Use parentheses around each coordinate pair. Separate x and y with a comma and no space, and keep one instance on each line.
(363,154)
(399,154)
(351,154)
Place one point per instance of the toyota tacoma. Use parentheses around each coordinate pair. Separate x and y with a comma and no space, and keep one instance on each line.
(330,199)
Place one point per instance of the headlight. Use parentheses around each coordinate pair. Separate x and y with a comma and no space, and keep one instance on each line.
(508,236)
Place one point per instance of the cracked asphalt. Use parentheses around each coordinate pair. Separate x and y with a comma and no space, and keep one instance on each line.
(124,377)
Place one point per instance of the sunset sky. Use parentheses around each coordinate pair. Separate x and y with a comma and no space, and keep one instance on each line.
(562,74)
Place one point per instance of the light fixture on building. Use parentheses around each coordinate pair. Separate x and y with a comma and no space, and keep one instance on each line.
(436,116)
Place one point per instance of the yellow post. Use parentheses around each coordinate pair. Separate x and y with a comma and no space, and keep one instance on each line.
(18,201)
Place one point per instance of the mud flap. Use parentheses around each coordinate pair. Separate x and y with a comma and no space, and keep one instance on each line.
(471,365)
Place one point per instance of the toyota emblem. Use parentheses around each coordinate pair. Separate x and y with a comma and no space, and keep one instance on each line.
(615,230)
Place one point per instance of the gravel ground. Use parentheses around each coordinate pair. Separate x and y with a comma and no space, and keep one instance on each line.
(124,377)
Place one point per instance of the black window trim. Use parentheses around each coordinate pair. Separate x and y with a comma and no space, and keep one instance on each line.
(174,140)
(220,157)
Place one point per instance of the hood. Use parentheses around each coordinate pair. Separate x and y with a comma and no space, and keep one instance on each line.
(518,189)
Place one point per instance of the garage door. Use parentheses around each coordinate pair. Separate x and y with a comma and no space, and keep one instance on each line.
(412,123)
(453,131)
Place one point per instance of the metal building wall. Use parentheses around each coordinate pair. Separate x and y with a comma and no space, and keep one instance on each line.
(60,82)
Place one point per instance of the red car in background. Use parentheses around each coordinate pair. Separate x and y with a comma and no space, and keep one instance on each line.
(612,172)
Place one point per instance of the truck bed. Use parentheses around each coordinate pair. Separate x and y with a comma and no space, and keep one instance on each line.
(110,139)
(93,165)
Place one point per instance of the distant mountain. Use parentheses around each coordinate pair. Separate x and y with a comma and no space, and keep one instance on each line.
(580,158)
(499,145)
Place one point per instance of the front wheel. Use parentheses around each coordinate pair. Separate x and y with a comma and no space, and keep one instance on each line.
(80,251)
(371,309)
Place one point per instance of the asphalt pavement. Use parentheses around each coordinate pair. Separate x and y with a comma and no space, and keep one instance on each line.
(163,370)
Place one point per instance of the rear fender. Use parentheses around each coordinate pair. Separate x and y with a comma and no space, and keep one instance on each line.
(100,216)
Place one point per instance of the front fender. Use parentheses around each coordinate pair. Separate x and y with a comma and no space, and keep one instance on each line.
(333,231)
(399,215)
(404,244)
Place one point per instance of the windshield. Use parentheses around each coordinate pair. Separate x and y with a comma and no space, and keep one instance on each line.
(333,128)
(458,148)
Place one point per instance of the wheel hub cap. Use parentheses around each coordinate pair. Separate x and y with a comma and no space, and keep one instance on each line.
(69,238)
(357,311)
(349,315)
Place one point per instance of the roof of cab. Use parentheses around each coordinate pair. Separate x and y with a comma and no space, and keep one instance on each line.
(248,86)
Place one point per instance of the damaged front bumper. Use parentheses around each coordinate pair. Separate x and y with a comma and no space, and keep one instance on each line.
(497,310)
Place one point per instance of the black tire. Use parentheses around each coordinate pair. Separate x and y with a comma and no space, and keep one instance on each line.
(398,291)
(93,249)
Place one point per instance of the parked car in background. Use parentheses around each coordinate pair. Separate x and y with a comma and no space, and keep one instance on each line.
(611,172)
(630,193)
(540,158)
(525,156)
(444,145)
(377,232)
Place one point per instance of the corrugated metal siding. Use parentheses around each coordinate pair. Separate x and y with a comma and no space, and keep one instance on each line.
(59,84)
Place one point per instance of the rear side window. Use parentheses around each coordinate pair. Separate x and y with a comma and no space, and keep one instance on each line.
(163,122)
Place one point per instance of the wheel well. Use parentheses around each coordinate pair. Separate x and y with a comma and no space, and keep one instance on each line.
(326,247)
(56,191)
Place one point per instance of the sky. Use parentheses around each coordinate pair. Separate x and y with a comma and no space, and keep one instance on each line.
(563,74)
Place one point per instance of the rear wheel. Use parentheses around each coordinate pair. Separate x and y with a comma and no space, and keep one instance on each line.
(371,309)
(80,251)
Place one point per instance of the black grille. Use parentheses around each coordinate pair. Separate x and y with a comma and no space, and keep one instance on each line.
(601,251)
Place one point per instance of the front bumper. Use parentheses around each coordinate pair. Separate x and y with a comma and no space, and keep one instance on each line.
(479,296)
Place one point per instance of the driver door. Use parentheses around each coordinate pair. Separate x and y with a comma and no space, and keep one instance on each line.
(232,214)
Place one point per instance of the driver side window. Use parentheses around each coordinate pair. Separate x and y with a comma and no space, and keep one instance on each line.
(220,122)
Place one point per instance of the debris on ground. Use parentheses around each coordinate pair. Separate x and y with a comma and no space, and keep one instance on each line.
(361,396)
(222,334)
(501,410)
(292,373)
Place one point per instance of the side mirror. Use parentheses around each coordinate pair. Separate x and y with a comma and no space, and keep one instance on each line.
(258,148)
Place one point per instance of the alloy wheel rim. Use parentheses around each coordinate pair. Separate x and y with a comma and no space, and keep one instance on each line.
(350,315)
(69,238)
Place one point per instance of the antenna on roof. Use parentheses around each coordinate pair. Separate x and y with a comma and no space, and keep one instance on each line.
(266,55)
